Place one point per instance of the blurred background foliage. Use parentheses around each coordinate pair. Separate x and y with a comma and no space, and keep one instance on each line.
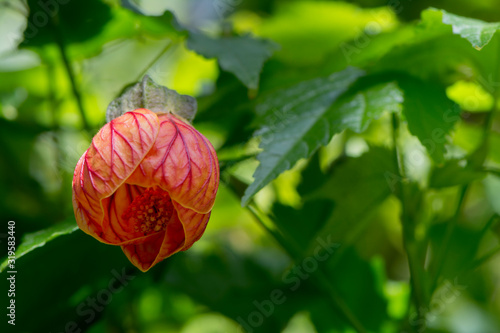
(415,251)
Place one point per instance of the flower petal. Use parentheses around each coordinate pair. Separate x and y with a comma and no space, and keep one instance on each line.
(116,151)
(194,224)
(80,205)
(182,162)
(160,246)
(144,254)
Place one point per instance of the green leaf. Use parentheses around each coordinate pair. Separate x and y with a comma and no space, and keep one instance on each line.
(477,32)
(431,115)
(244,56)
(37,239)
(429,50)
(358,111)
(306,120)
(295,124)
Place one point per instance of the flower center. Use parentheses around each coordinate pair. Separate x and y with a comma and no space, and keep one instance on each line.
(150,211)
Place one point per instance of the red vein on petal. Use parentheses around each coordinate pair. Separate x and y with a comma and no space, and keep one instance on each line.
(138,126)
(96,174)
(90,175)
(124,163)
(189,172)
(128,143)
(169,147)
(208,177)
(97,150)
(206,182)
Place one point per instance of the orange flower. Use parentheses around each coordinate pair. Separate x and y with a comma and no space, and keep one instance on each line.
(147,183)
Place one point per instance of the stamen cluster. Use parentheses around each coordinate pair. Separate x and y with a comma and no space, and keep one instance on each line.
(150,211)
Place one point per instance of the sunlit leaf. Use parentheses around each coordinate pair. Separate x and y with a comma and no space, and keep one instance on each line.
(430,50)
(477,32)
(470,96)
(358,111)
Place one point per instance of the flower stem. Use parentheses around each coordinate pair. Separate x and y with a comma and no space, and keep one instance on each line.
(441,256)
(409,242)
(71,75)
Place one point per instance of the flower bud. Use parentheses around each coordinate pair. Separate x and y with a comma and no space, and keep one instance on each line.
(147,183)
